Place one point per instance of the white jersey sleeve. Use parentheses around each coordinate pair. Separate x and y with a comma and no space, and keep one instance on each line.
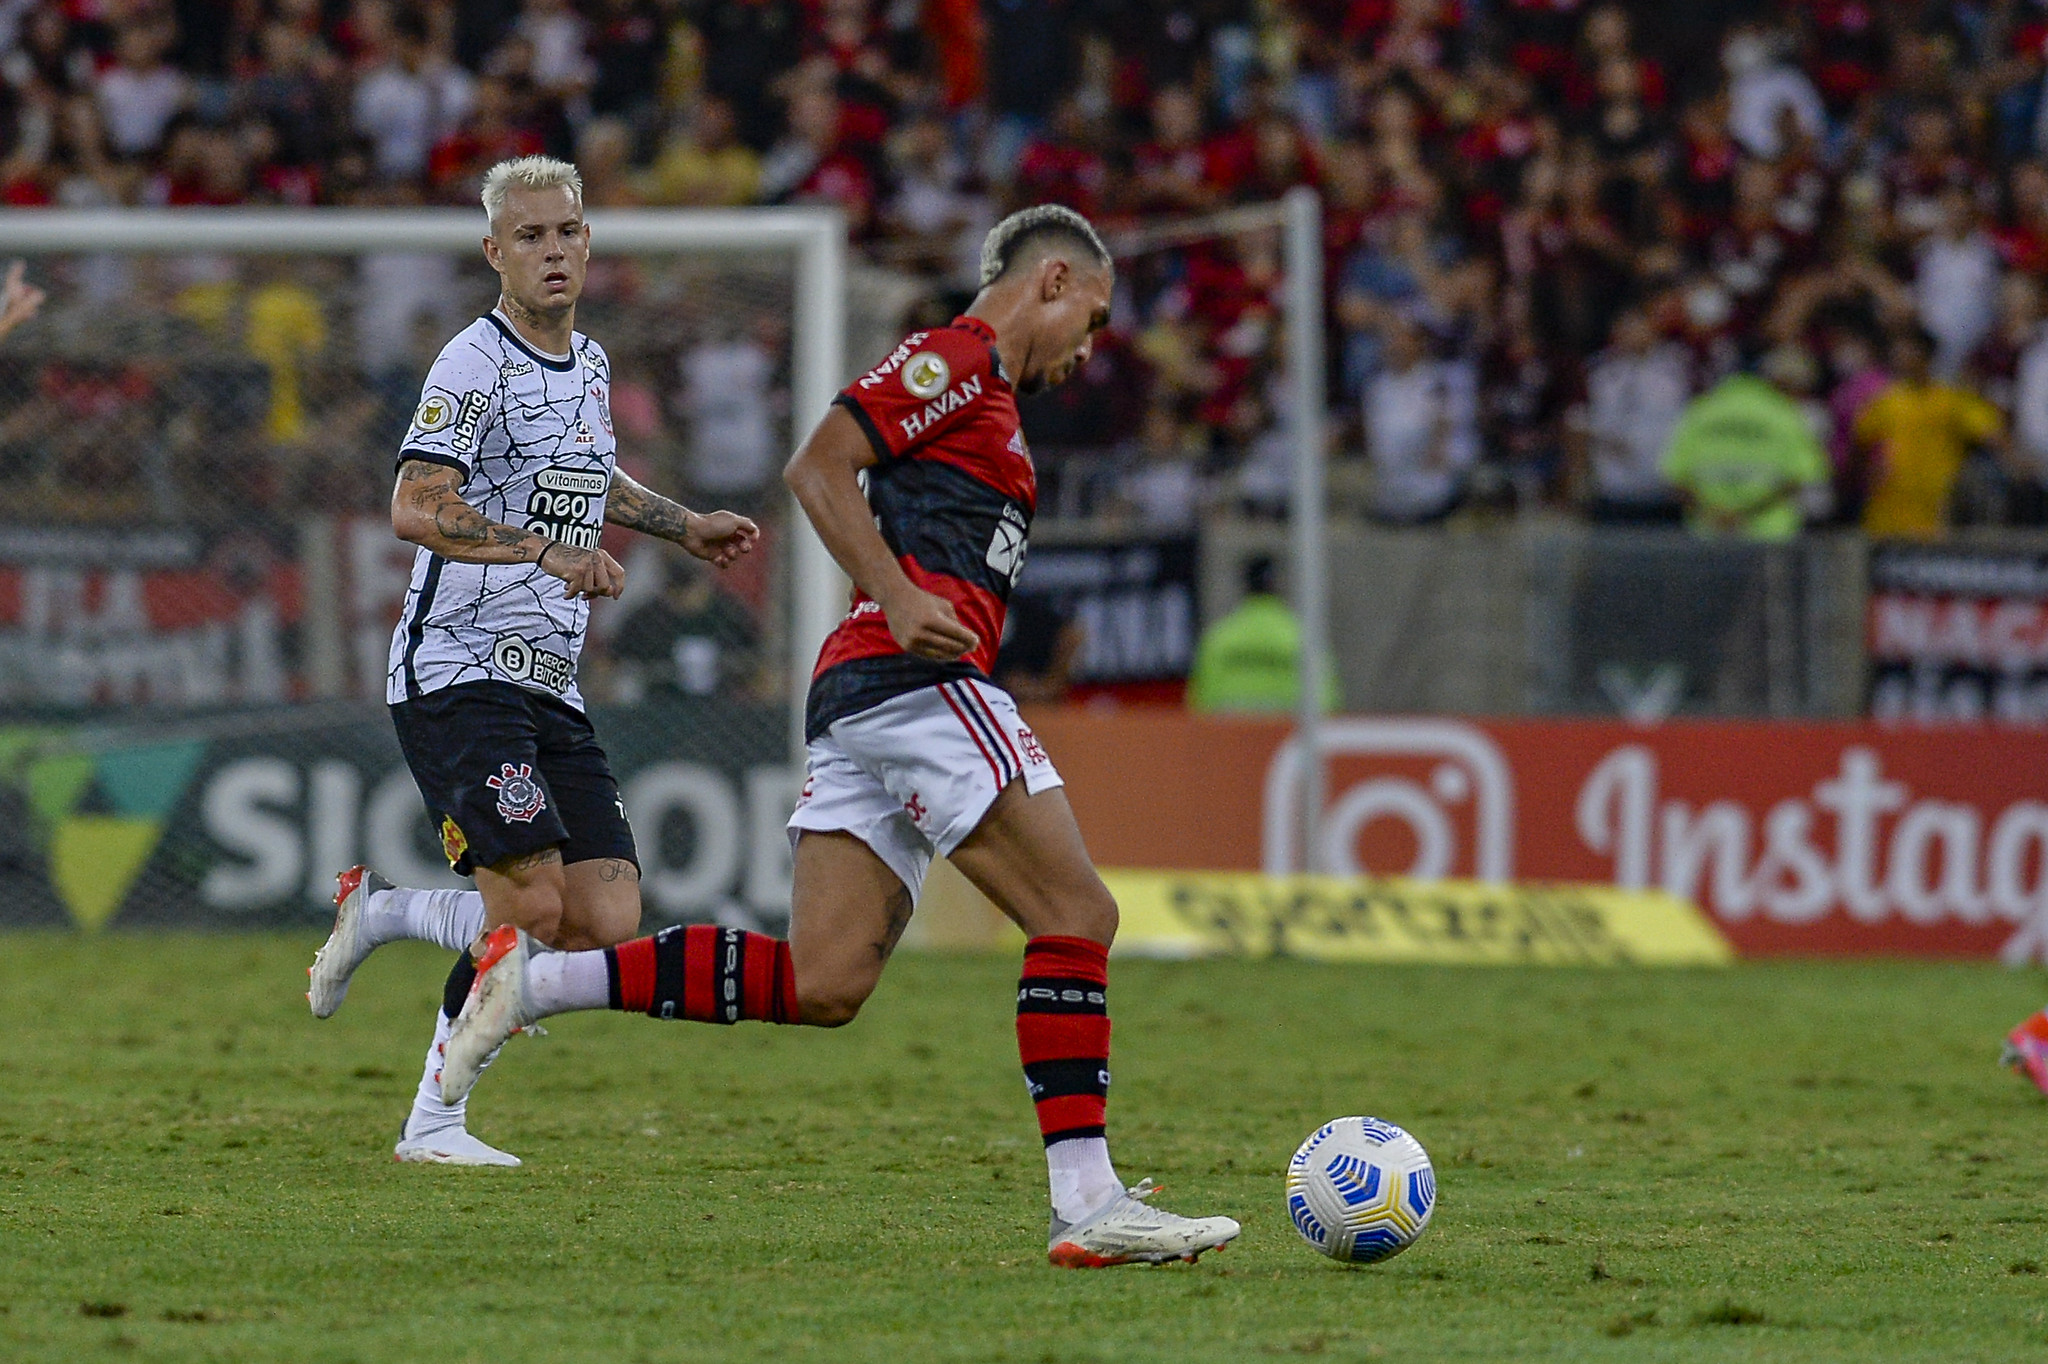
(461,399)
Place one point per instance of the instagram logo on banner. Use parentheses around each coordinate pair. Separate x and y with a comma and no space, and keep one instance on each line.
(1420,798)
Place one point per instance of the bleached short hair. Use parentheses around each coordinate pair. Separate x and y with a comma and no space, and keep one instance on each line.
(1007,241)
(528,172)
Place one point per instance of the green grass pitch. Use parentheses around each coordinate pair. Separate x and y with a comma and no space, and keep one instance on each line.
(1778,1162)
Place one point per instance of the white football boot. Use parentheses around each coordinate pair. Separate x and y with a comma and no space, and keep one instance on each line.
(346,947)
(496,1008)
(450,1146)
(1126,1230)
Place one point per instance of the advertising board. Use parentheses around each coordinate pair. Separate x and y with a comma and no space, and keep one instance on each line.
(1850,837)
(1958,633)
(241,819)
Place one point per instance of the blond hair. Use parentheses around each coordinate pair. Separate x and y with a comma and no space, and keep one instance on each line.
(528,172)
(1005,243)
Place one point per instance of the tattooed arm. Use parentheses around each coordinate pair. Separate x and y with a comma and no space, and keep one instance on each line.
(716,537)
(427,510)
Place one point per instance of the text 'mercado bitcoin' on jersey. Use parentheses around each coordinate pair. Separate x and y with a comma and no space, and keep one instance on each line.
(531,434)
(953,492)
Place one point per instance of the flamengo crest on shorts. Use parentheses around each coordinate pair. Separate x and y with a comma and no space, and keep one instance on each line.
(519,795)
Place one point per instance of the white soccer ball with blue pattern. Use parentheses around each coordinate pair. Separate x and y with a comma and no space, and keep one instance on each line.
(1360,1190)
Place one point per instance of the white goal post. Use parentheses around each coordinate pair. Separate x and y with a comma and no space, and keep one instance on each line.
(814,238)
(1298,217)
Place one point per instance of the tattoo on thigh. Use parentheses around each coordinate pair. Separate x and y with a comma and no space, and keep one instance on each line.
(616,869)
(528,861)
(900,905)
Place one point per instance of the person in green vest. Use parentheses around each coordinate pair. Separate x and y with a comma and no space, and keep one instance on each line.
(1742,454)
(1249,662)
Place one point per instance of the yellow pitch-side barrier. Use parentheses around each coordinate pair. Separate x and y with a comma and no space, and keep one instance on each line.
(1331,918)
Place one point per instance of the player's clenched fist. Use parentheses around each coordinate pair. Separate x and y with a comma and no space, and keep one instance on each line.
(925,625)
(585,573)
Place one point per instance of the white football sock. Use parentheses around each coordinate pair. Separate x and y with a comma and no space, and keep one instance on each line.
(429,1114)
(562,982)
(1082,1177)
(451,918)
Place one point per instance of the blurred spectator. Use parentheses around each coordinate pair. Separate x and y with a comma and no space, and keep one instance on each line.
(1040,647)
(560,64)
(1636,390)
(1916,434)
(409,100)
(1421,432)
(1161,489)
(1858,379)
(141,93)
(2029,408)
(694,639)
(813,161)
(727,403)
(1743,453)
(287,332)
(1249,662)
(702,163)
(1766,92)
(490,132)
(937,214)
(1955,284)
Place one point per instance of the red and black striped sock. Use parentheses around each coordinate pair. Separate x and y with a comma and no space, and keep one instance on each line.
(1063,1034)
(704,973)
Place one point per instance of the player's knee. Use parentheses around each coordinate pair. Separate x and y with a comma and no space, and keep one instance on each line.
(831,1005)
(1095,915)
(1085,909)
(538,910)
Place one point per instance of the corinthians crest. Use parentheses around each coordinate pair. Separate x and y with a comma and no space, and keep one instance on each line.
(519,795)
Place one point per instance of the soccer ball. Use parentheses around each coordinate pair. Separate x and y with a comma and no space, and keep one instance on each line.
(1360,1190)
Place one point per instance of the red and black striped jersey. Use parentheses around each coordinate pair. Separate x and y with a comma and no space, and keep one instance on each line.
(953,492)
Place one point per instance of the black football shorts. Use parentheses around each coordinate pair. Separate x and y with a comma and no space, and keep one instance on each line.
(506,771)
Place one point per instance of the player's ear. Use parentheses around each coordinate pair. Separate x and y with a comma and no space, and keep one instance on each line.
(1054,275)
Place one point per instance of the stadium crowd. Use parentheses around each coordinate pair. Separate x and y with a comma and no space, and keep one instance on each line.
(1552,226)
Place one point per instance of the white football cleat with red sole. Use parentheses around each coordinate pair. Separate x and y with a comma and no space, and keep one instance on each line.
(346,947)
(496,1008)
(1128,1231)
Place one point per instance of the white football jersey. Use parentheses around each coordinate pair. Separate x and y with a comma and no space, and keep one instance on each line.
(532,435)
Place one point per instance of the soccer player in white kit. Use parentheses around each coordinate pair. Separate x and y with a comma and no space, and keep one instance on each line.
(920,483)
(505,480)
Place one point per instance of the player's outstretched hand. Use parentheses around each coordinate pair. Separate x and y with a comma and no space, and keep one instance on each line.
(925,625)
(585,573)
(19,300)
(720,537)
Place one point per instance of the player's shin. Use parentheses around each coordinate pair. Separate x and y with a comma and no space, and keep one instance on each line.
(429,1114)
(703,973)
(450,918)
(1063,1040)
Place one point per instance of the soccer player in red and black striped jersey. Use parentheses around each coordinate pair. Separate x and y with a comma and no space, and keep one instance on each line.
(921,485)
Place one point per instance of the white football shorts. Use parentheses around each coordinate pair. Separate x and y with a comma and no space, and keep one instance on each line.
(913,776)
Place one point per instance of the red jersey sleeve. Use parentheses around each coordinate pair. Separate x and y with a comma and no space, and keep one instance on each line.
(927,386)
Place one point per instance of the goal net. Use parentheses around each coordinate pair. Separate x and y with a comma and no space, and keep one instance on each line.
(198,578)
